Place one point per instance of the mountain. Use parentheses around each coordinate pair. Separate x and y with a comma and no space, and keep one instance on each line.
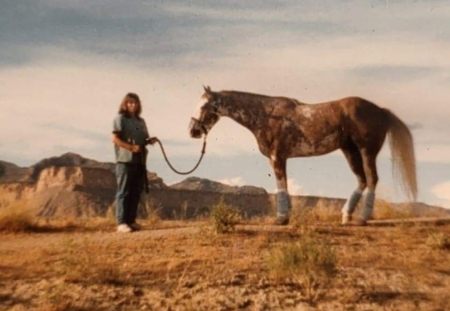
(71,185)
(10,172)
(67,185)
(200,184)
(68,159)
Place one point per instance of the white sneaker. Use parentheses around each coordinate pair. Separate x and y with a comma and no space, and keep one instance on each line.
(123,228)
(135,226)
(346,219)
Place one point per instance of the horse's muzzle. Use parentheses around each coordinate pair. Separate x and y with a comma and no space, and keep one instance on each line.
(195,133)
(196,129)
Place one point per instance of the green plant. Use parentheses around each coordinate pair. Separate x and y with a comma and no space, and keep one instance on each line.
(309,262)
(224,217)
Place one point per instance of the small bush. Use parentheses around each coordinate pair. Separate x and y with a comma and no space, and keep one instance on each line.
(224,217)
(16,218)
(438,241)
(309,262)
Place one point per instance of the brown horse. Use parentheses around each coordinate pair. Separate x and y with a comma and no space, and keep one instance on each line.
(286,128)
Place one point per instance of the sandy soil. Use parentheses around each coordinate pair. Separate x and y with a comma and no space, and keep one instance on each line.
(189,267)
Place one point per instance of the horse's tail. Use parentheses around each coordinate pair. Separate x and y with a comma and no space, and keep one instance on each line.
(403,158)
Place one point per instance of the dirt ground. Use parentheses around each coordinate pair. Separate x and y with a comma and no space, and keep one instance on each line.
(186,266)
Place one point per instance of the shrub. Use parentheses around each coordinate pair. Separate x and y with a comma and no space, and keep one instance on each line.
(438,240)
(224,217)
(15,218)
(308,262)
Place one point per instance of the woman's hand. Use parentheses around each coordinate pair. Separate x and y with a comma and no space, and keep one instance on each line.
(135,148)
(152,140)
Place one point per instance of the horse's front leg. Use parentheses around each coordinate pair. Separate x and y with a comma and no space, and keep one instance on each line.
(283,199)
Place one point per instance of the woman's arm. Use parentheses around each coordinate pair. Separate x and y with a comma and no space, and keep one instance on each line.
(120,143)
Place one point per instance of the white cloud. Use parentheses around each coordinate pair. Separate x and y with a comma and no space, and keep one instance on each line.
(84,93)
(234,181)
(442,193)
(294,188)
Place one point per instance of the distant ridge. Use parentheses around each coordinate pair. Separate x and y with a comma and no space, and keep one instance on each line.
(201,184)
(68,159)
(71,185)
(10,172)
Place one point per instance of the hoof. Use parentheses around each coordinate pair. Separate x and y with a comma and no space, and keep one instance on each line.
(281,221)
(361,222)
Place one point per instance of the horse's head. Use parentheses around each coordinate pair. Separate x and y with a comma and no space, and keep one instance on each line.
(206,114)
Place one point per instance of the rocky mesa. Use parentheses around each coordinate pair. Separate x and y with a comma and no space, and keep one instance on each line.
(73,186)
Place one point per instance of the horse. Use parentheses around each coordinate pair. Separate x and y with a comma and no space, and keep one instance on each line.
(286,128)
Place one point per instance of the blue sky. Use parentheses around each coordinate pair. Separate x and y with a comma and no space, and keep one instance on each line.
(65,65)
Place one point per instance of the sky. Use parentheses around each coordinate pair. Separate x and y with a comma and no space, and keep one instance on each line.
(66,65)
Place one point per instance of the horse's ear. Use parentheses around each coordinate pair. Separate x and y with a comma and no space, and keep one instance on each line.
(207,89)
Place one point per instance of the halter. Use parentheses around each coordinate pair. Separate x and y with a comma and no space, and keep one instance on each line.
(202,124)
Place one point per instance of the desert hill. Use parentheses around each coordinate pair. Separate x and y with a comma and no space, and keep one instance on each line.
(9,172)
(201,184)
(69,159)
(71,185)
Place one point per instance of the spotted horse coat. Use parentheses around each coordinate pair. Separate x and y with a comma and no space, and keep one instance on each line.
(286,128)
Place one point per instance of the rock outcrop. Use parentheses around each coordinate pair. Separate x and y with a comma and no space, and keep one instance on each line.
(201,184)
(71,185)
(10,173)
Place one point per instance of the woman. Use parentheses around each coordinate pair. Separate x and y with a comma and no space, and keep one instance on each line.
(130,136)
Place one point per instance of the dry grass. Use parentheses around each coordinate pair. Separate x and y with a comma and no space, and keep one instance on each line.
(224,217)
(309,261)
(385,210)
(438,240)
(81,264)
(186,266)
(16,218)
(305,219)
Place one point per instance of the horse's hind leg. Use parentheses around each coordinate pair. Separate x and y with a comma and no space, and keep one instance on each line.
(370,169)
(355,162)
(283,199)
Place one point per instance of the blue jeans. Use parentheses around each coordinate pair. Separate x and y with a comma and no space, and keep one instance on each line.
(130,183)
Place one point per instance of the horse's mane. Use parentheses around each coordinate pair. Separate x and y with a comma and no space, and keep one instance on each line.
(258,96)
(243,94)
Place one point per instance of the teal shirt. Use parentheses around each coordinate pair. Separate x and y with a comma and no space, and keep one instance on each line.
(131,130)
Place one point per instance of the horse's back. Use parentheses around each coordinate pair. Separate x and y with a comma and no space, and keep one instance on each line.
(358,106)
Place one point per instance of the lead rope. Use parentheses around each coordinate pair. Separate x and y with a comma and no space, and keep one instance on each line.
(174,169)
